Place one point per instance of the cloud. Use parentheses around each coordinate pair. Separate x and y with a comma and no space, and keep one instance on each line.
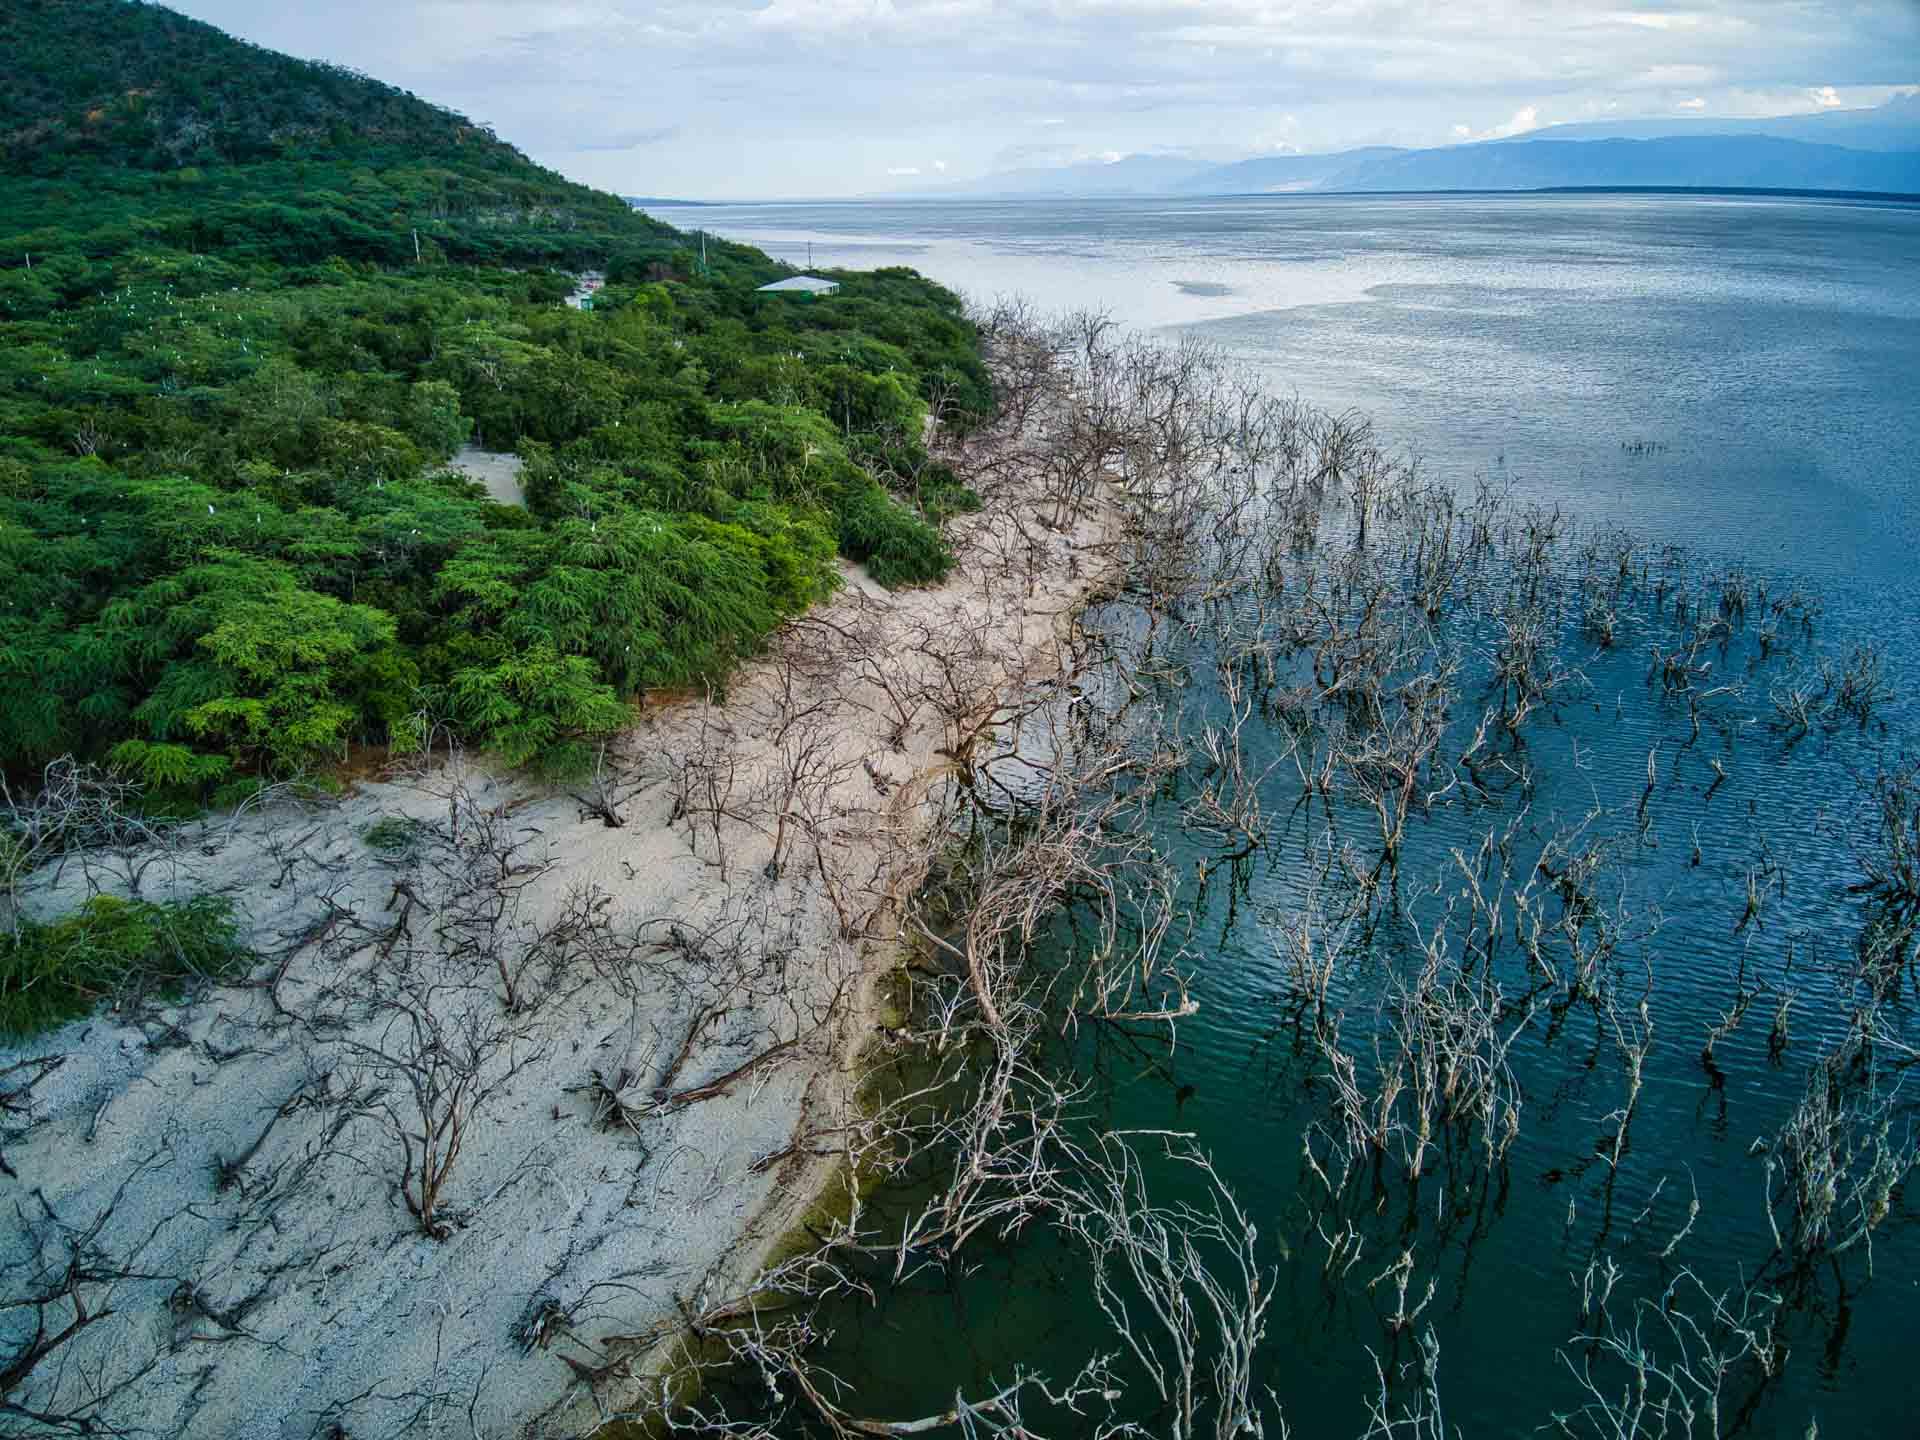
(629,139)
(1662,77)
(900,170)
(1655,20)
(1012,157)
(1696,103)
(809,96)
(1526,118)
(1799,100)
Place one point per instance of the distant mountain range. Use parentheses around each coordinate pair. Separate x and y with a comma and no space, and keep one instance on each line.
(1875,150)
(1892,126)
(1725,161)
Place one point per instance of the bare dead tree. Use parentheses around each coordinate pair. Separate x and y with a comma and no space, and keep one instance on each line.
(1665,1373)
(440,1056)
(1833,1169)
(706,770)
(80,815)
(1160,1278)
(60,1279)
(612,786)
(809,765)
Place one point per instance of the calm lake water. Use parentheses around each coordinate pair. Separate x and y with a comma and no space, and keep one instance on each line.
(1738,376)
(1771,346)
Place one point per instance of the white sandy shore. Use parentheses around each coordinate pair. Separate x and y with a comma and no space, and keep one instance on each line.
(301,1295)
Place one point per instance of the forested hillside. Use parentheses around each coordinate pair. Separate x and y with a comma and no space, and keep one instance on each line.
(139,87)
(230,546)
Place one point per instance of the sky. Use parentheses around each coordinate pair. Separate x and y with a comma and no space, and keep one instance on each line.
(740,99)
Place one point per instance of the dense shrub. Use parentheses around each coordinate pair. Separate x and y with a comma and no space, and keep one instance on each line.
(229,545)
(53,972)
(895,544)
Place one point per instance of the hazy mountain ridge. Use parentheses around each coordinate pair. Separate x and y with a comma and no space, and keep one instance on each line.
(1892,126)
(1706,161)
(1857,150)
(1286,172)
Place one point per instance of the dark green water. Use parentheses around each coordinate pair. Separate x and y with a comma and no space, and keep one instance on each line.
(1733,377)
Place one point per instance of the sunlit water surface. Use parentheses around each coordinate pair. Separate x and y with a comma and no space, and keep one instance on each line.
(1739,376)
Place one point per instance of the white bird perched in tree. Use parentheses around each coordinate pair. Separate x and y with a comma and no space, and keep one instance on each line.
(209,507)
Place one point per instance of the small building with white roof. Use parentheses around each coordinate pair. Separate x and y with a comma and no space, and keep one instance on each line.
(800,285)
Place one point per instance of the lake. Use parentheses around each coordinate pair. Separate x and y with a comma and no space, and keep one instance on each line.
(1735,376)
(1771,347)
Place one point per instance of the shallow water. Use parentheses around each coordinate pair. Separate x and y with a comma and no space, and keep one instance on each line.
(1734,375)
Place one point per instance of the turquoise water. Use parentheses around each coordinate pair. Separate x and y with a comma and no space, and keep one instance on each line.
(1733,377)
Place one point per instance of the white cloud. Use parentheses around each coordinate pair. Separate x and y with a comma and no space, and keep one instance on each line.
(1278,136)
(815,15)
(1674,76)
(1654,20)
(1751,103)
(903,170)
(1696,103)
(1526,118)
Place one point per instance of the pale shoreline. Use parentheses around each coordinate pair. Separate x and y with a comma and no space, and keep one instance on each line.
(548,1206)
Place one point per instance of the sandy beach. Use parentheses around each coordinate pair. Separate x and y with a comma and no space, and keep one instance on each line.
(657,981)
